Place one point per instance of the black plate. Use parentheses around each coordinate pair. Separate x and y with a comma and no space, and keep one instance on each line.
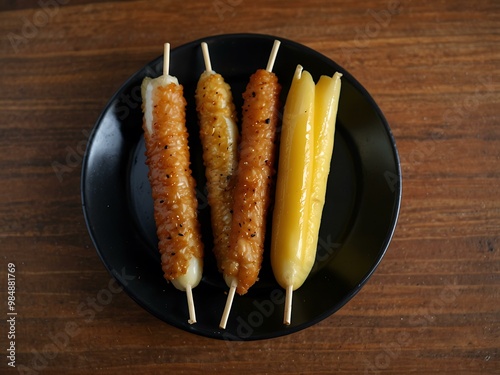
(362,204)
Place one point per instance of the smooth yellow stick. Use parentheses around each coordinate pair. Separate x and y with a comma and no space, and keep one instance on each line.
(290,263)
(306,149)
(325,114)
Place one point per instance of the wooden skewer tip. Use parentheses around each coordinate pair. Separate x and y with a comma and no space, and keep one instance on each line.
(272,56)
(166,58)
(287,319)
(298,71)
(229,303)
(190,301)
(206,56)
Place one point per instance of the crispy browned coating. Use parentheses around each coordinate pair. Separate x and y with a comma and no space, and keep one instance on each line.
(219,137)
(173,187)
(255,173)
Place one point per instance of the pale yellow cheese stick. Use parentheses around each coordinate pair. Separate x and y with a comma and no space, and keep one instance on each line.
(290,261)
(325,114)
(305,155)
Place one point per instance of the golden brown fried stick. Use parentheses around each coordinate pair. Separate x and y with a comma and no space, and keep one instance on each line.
(172,185)
(252,195)
(219,138)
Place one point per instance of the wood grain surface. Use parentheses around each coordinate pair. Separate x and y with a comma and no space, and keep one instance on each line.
(432,306)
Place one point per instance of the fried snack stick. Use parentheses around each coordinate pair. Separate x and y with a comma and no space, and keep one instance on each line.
(173,187)
(306,149)
(255,173)
(219,138)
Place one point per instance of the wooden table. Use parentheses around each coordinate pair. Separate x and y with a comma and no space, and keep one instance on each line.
(433,305)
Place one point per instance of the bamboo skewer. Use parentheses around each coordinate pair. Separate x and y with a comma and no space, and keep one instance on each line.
(189,290)
(272,56)
(229,303)
(166,58)
(190,301)
(232,289)
(206,57)
(287,318)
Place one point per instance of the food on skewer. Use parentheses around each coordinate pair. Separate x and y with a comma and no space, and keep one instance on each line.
(255,173)
(173,187)
(306,149)
(219,138)
(291,259)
